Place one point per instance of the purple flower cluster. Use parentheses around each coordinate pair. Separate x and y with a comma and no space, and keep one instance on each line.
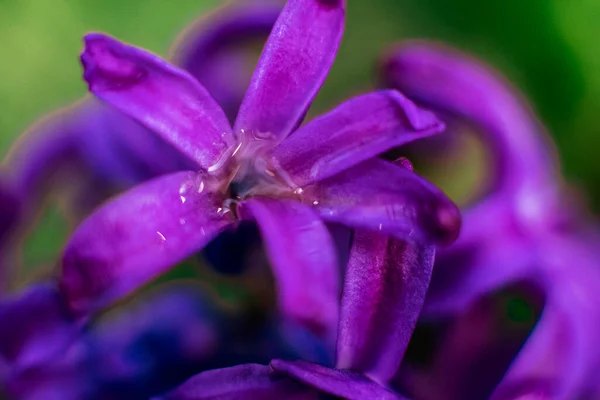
(175,160)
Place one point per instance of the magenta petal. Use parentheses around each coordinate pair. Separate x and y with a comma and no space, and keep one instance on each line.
(449,80)
(345,384)
(303,258)
(292,67)
(380,196)
(35,326)
(218,49)
(160,96)
(243,382)
(136,236)
(359,129)
(384,290)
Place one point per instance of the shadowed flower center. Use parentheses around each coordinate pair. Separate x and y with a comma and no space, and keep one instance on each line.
(248,170)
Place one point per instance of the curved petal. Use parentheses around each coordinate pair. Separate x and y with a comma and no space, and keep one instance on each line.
(345,384)
(158,95)
(43,149)
(244,382)
(136,236)
(292,67)
(449,80)
(359,129)
(35,326)
(562,354)
(217,49)
(380,196)
(384,290)
(303,259)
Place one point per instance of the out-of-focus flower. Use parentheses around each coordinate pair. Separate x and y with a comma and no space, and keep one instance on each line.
(135,352)
(384,290)
(526,228)
(290,185)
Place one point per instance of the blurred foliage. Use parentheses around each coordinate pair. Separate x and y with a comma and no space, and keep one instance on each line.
(548,48)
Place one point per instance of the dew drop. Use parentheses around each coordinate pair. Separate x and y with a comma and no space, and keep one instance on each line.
(162,237)
(183,199)
(201,187)
(315,203)
(181,221)
(298,191)
(380,227)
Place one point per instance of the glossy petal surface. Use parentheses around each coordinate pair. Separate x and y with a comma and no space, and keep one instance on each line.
(292,67)
(244,382)
(158,95)
(136,236)
(303,258)
(359,129)
(345,384)
(384,290)
(377,195)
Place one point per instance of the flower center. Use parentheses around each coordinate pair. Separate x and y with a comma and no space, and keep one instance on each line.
(249,170)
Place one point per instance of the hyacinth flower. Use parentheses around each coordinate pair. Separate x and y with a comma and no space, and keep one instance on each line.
(135,351)
(524,229)
(111,150)
(382,298)
(325,171)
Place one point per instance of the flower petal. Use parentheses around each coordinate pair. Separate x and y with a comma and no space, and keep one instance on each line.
(303,259)
(160,96)
(379,196)
(384,290)
(217,49)
(244,382)
(136,236)
(449,80)
(292,67)
(35,326)
(359,129)
(562,353)
(345,384)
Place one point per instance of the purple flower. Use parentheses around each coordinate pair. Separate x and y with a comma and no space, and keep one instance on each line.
(525,229)
(381,301)
(291,185)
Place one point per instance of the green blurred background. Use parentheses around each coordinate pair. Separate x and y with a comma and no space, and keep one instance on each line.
(548,48)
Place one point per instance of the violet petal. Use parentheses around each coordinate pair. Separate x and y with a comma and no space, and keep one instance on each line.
(380,196)
(292,67)
(384,290)
(244,382)
(35,326)
(359,129)
(303,258)
(162,97)
(342,383)
(136,236)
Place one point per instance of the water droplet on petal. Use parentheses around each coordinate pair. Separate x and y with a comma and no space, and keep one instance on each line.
(201,187)
(162,237)
(182,221)
(315,203)
(183,199)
